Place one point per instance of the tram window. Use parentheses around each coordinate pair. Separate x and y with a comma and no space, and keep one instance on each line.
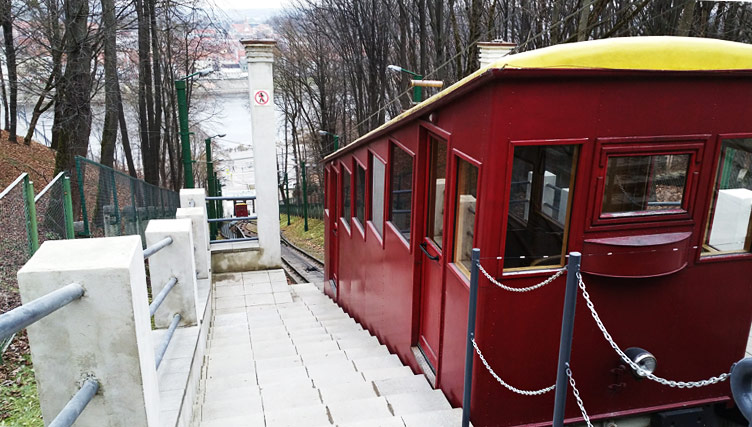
(360,195)
(464,218)
(537,218)
(728,228)
(346,196)
(401,178)
(645,185)
(378,173)
(436,189)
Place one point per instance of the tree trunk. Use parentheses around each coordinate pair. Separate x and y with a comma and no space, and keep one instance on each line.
(10,61)
(111,113)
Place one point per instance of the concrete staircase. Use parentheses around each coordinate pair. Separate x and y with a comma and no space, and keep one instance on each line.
(286,355)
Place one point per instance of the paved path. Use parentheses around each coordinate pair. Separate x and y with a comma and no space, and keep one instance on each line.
(286,355)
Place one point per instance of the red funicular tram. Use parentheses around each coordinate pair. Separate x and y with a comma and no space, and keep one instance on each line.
(636,152)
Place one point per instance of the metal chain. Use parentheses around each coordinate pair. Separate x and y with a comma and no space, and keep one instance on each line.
(577,397)
(502,382)
(633,365)
(528,289)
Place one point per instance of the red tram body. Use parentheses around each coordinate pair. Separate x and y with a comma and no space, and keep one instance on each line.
(626,150)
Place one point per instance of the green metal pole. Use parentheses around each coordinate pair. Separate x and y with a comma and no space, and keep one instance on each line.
(287,198)
(84,216)
(305,197)
(185,142)
(31,210)
(68,208)
(418,90)
(336,142)
(210,188)
(728,163)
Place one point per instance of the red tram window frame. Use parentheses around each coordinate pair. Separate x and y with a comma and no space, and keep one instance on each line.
(345,219)
(366,196)
(369,190)
(456,156)
(692,145)
(393,143)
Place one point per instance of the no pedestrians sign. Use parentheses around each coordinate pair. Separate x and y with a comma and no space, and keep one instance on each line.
(261,98)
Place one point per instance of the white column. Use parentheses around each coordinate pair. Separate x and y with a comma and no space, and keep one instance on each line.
(175,260)
(200,235)
(106,333)
(260,56)
(195,198)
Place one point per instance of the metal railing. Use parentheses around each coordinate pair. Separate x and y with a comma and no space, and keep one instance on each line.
(214,203)
(27,314)
(151,250)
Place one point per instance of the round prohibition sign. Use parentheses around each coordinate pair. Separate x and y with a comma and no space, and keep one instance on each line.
(261,97)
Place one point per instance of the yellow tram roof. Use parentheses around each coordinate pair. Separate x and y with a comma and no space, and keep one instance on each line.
(659,53)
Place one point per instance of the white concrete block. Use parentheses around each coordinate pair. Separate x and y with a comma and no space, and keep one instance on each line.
(107,333)
(175,260)
(401,385)
(195,198)
(359,410)
(200,228)
(410,403)
(309,416)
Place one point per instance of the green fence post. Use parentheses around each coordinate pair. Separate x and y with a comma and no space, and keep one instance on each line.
(68,208)
(287,198)
(84,216)
(117,205)
(31,218)
(305,197)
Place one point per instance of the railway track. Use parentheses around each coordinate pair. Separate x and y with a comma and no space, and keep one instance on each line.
(301,266)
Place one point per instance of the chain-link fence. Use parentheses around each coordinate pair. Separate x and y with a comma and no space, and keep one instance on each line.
(307,195)
(115,204)
(15,242)
(50,209)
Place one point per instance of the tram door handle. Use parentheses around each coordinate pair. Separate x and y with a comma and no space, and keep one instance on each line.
(425,251)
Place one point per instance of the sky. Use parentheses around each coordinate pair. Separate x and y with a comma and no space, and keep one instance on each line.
(251,4)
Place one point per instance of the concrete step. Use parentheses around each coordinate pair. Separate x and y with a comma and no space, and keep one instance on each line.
(359,410)
(400,385)
(377,362)
(442,418)
(410,403)
(310,416)
(346,391)
(382,374)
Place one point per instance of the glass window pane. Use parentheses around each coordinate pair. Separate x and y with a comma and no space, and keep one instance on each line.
(436,184)
(645,185)
(464,219)
(378,173)
(728,229)
(401,178)
(360,194)
(538,205)
(346,196)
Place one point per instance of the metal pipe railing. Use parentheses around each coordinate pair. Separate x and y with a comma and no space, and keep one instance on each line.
(230,198)
(77,404)
(151,250)
(240,218)
(166,341)
(159,299)
(23,316)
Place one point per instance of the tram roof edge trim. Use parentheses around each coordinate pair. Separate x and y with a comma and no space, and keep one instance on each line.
(656,53)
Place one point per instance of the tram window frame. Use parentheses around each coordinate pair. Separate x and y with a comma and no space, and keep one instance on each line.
(374,181)
(721,163)
(345,209)
(360,174)
(460,258)
(608,148)
(392,200)
(540,214)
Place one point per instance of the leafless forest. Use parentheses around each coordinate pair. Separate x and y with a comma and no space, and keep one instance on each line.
(331,72)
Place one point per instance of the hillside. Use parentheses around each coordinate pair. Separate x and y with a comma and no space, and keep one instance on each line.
(37,160)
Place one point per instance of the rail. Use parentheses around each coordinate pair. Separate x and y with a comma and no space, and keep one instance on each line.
(151,250)
(167,339)
(159,299)
(77,404)
(740,373)
(215,218)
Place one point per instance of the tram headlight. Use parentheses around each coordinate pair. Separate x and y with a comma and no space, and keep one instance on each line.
(642,358)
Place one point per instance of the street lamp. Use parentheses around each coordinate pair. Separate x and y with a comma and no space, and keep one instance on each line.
(185,142)
(210,184)
(336,138)
(417,90)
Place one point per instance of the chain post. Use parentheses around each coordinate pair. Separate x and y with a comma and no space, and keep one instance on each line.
(84,215)
(471,312)
(68,208)
(31,211)
(565,342)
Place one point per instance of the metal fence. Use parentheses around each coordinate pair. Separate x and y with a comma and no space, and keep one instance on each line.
(314,210)
(113,203)
(15,241)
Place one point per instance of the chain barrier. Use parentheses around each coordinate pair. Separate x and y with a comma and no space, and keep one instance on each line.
(633,365)
(577,397)
(505,384)
(520,290)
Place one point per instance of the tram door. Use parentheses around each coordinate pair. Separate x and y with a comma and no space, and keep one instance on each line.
(333,186)
(432,252)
